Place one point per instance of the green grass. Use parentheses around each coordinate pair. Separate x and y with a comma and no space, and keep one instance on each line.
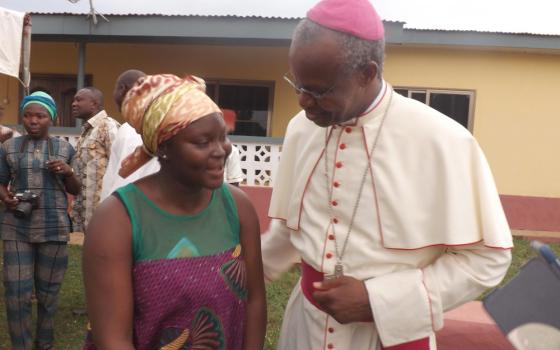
(521,254)
(70,329)
(277,295)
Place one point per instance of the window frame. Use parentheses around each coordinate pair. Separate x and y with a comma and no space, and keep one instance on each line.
(429,91)
(270,84)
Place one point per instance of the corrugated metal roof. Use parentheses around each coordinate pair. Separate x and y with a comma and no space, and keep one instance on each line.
(537,17)
(238,8)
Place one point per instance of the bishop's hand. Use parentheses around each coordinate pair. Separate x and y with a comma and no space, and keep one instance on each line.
(344,298)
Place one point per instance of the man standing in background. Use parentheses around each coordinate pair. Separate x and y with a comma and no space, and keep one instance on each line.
(126,141)
(92,152)
(233,174)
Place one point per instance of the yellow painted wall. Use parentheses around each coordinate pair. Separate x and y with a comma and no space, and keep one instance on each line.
(106,61)
(59,58)
(9,98)
(210,62)
(516,119)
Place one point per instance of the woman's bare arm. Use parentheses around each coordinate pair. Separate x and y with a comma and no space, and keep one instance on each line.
(107,269)
(255,318)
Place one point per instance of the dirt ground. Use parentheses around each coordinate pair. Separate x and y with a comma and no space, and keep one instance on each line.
(76,238)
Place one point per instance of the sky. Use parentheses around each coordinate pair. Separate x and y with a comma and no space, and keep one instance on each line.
(515,16)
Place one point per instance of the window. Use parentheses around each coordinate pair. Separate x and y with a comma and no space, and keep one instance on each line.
(62,88)
(457,105)
(252,102)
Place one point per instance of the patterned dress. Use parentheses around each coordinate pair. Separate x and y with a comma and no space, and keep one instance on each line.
(189,276)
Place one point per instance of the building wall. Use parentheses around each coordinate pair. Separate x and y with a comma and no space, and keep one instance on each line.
(53,58)
(105,61)
(515,118)
(9,98)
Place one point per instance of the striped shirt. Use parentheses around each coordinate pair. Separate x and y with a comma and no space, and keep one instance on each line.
(26,170)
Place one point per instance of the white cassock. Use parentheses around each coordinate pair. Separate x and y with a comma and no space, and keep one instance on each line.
(232,169)
(125,143)
(429,233)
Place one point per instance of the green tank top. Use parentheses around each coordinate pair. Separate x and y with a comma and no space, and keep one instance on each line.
(157,234)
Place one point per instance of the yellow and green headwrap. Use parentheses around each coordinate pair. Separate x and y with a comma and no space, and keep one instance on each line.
(158,108)
(40,98)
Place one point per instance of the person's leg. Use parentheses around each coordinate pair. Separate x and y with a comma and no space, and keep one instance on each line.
(18,286)
(50,265)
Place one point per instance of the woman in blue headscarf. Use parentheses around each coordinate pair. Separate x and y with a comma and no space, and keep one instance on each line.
(35,175)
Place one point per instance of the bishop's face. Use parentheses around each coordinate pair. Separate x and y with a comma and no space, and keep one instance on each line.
(328,92)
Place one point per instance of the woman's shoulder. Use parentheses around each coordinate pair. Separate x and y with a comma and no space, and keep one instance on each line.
(109,231)
(63,144)
(237,193)
(62,148)
(13,144)
(14,140)
(242,201)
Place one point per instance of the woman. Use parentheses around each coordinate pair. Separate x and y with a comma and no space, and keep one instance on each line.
(35,174)
(173,260)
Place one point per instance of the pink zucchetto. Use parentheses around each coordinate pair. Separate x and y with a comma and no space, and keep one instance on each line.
(354,17)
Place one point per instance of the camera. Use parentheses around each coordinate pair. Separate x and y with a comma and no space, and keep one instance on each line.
(27,202)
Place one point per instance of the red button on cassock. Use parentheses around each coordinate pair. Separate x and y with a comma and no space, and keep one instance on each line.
(339,164)
(336,184)
(330,346)
(328,255)
(334,203)
(348,129)
(331,237)
(342,146)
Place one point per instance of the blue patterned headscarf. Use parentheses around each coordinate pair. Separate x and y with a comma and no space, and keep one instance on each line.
(40,98)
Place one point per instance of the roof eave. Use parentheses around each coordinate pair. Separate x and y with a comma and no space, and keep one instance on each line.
(253,30)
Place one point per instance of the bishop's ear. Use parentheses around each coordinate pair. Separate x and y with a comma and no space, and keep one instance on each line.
(369,72)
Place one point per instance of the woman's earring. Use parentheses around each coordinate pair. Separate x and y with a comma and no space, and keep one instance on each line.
(164,156)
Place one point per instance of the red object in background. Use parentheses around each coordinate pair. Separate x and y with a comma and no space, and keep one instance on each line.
(229,117)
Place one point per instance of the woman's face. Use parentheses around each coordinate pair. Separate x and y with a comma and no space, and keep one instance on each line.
(36,121)
(197,154)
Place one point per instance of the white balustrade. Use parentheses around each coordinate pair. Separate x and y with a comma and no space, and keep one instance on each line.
(259,160)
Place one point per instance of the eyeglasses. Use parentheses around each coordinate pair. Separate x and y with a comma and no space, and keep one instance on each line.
(315,95)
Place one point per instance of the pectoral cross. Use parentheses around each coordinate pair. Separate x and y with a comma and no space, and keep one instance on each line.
(338,272)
